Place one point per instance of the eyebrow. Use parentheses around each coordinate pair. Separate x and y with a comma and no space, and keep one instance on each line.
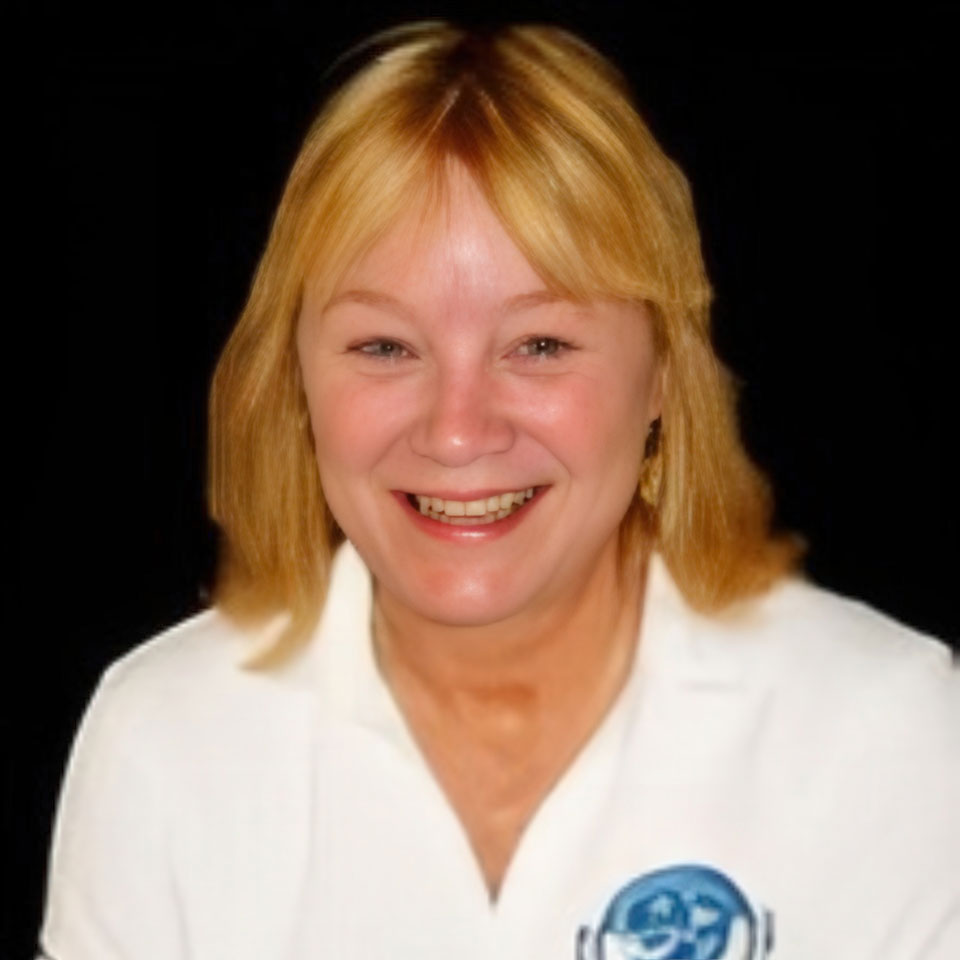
(527,301)
(384,301)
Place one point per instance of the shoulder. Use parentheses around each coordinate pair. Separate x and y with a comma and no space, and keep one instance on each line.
(204,644)
(196,657)
(181,749)
(797,632)
(799,626)
(865,713)
(828,670)
(822,637)
(192,689)
(185,692)
(847,681)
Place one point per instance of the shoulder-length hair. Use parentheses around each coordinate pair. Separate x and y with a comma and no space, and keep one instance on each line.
(546,126)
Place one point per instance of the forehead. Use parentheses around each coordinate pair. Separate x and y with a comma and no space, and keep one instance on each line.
(448,240)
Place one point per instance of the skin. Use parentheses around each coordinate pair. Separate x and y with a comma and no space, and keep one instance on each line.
(442,365)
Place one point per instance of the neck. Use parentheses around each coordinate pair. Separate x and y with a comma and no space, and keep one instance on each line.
(500,711)
(517,676)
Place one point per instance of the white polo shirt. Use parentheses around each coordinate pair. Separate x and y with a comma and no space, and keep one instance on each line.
(782,783)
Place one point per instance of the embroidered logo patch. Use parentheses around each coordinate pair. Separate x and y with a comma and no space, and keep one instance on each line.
(684,912)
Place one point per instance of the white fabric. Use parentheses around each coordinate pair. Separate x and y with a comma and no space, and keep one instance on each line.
(806,747)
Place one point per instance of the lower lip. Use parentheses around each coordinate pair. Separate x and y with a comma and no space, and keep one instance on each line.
(478,533)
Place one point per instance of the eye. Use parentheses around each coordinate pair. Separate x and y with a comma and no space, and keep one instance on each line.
(381,349)
(542,347)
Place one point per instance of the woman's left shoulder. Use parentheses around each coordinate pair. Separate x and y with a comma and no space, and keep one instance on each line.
(848,661)
(813,626)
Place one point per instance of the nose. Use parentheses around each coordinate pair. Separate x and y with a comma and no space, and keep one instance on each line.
(461,419)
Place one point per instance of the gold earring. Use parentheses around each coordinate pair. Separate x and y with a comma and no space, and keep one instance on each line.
(651,470)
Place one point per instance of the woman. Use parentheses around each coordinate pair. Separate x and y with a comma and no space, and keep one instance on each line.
(505,661)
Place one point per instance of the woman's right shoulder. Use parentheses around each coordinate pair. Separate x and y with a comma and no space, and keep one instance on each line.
(187,682)
(177,732)
(205,642)
(203,649)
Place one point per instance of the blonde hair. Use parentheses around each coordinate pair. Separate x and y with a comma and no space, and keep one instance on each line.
(546,127)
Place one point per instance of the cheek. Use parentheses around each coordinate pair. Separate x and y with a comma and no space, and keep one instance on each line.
(354,422)
(590,423)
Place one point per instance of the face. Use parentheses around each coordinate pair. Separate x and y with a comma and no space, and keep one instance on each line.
(478,439)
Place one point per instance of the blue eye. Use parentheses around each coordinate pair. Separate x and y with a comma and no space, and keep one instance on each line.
(381,349)
(542,347)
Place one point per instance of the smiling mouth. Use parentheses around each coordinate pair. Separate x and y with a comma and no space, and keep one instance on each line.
(470,513)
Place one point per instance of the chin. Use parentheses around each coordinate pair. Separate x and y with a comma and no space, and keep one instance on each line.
(463,602)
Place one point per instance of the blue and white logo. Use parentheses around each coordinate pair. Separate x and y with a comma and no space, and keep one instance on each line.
(684,912)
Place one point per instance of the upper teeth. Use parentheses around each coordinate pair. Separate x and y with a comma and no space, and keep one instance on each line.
(474,508)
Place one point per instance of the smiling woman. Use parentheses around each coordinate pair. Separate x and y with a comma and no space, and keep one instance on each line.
(505,660)
(536,134)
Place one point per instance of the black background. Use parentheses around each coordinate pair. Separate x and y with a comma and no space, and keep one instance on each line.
(153,149)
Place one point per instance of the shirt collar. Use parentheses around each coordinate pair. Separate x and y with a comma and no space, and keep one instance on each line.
(676,645)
